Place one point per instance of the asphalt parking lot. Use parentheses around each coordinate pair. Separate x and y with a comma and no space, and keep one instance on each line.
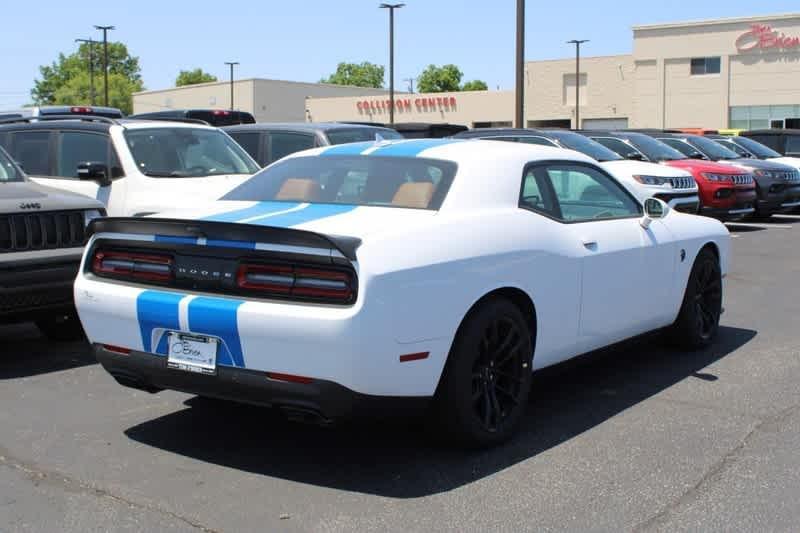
(636,438)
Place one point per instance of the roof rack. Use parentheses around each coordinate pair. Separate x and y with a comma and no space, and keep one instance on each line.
(170,119)
(43,118)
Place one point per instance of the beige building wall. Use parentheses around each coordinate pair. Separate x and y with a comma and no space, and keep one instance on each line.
(606,89)
(466,108)
(285,101)
(216,95)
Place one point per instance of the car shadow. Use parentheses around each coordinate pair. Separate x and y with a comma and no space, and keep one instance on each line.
(398,459)
(741,228)
(26,352)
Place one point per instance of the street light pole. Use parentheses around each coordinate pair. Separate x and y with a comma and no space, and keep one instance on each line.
(391,8)
(519,115)
(578,43)
(231,64)
(105,29)
(91,66)
(410,84)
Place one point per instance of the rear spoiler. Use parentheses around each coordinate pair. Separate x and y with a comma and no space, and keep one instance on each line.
(227,231)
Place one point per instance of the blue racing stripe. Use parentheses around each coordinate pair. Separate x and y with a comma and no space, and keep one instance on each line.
(217,317)
(231,244)
(411,148)
(156,309)
(348,149)
(176,240)
(311,213)
(261,208)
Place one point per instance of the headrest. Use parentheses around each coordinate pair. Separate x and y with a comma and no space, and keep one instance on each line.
(299,189)
(414,195)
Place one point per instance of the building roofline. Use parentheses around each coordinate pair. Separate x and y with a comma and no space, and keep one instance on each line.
(583,57)
(712,22)
(226,83)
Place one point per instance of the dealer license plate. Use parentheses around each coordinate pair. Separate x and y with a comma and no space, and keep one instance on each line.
(192,353)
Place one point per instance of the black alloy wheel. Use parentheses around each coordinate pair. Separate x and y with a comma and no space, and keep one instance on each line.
(697,324)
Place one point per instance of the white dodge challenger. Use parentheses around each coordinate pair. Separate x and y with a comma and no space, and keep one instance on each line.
(373,277)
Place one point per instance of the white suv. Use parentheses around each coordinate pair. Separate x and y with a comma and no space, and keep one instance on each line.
(135,167)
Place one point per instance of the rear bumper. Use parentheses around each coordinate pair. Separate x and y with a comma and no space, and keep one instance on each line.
(31,289)
(319,401)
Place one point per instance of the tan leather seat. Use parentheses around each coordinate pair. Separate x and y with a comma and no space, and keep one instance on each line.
(299,189)
(414,195)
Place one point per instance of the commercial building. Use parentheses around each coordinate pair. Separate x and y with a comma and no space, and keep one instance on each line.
(267,100)
(725,73)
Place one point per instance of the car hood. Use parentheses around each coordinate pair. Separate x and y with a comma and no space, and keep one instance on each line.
(329,219)
(699,165)
(790,161)
(15,194)
(631,168)
(757,164)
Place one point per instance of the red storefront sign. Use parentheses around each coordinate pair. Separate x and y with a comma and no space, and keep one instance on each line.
(423,103)
(763,37)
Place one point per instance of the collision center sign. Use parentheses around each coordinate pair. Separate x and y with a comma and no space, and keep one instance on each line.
(763,37)
(422,103)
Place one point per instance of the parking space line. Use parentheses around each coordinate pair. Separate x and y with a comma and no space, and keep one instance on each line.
(762,225)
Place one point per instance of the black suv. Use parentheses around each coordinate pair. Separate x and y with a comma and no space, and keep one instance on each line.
(42,234)
(267,142)
(214,117)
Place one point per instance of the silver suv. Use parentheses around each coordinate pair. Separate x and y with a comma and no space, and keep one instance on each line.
(42,234)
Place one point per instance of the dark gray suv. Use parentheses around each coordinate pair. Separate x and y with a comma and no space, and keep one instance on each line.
(42,234)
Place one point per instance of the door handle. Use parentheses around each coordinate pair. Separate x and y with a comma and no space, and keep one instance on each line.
(589,243)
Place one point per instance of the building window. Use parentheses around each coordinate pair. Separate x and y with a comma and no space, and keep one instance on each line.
(763,116)
(705,65)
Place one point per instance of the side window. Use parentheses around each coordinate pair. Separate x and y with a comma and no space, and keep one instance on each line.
(75,147)
(283,143)
(537,140)
(618,146)
(250,141)
(31,149)
(585,193)
(684,148)
(536,195)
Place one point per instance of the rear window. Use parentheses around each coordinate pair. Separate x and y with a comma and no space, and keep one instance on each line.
(355,135)
(221,117)
(792,145)
(352,180)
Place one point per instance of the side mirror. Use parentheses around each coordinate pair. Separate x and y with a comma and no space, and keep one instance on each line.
(92,170)
(653,210)
(634,156)
(697,155)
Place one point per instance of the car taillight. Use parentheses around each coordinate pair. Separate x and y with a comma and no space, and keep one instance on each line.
(301,282)
(131,265)
(79,109)
(221,113)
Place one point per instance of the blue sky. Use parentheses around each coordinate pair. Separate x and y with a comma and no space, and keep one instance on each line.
(304,40)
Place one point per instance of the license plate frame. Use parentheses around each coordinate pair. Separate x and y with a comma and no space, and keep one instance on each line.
(190,352)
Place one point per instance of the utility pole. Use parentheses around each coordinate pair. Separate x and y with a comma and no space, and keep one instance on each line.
(90,42)
(578,43)
(410,84)
(231,64)
(105,30)
(519,115)
(391,8)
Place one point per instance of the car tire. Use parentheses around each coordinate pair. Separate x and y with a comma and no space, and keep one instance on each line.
(698,320)
(483,392)
(61,327)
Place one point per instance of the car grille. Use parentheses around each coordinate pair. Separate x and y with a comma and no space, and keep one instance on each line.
(742,179)
(790,176)
(682,183)
(42,231)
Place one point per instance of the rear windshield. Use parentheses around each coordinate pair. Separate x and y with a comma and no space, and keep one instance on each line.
(760,151)
(353,180)
(187,153)
(585,145)
(8,171)
(355,135)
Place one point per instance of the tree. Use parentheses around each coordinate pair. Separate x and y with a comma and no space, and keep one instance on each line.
(66,80)
(364,74)
(439,79)
(475,85)
(193,77)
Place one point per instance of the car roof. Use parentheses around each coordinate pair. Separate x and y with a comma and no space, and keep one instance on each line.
(71,124)
(310,127)
(772,131)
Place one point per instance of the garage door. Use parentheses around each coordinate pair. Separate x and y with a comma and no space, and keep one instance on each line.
(605,123)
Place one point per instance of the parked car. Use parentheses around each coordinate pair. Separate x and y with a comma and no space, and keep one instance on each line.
(777,185)
(643,179)
(726,192)
(214,117)
(267,142)
(427,130)
(133,166)
(434,274)
(61,110)
(42,234)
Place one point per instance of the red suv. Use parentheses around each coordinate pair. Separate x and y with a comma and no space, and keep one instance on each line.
(726,192)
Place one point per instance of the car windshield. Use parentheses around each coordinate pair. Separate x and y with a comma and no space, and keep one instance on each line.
(760,151)
(8,171)
(730,145)
(585,145)
(654,150)
(355,135)
(184,152)
(711,149)
(351,180)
